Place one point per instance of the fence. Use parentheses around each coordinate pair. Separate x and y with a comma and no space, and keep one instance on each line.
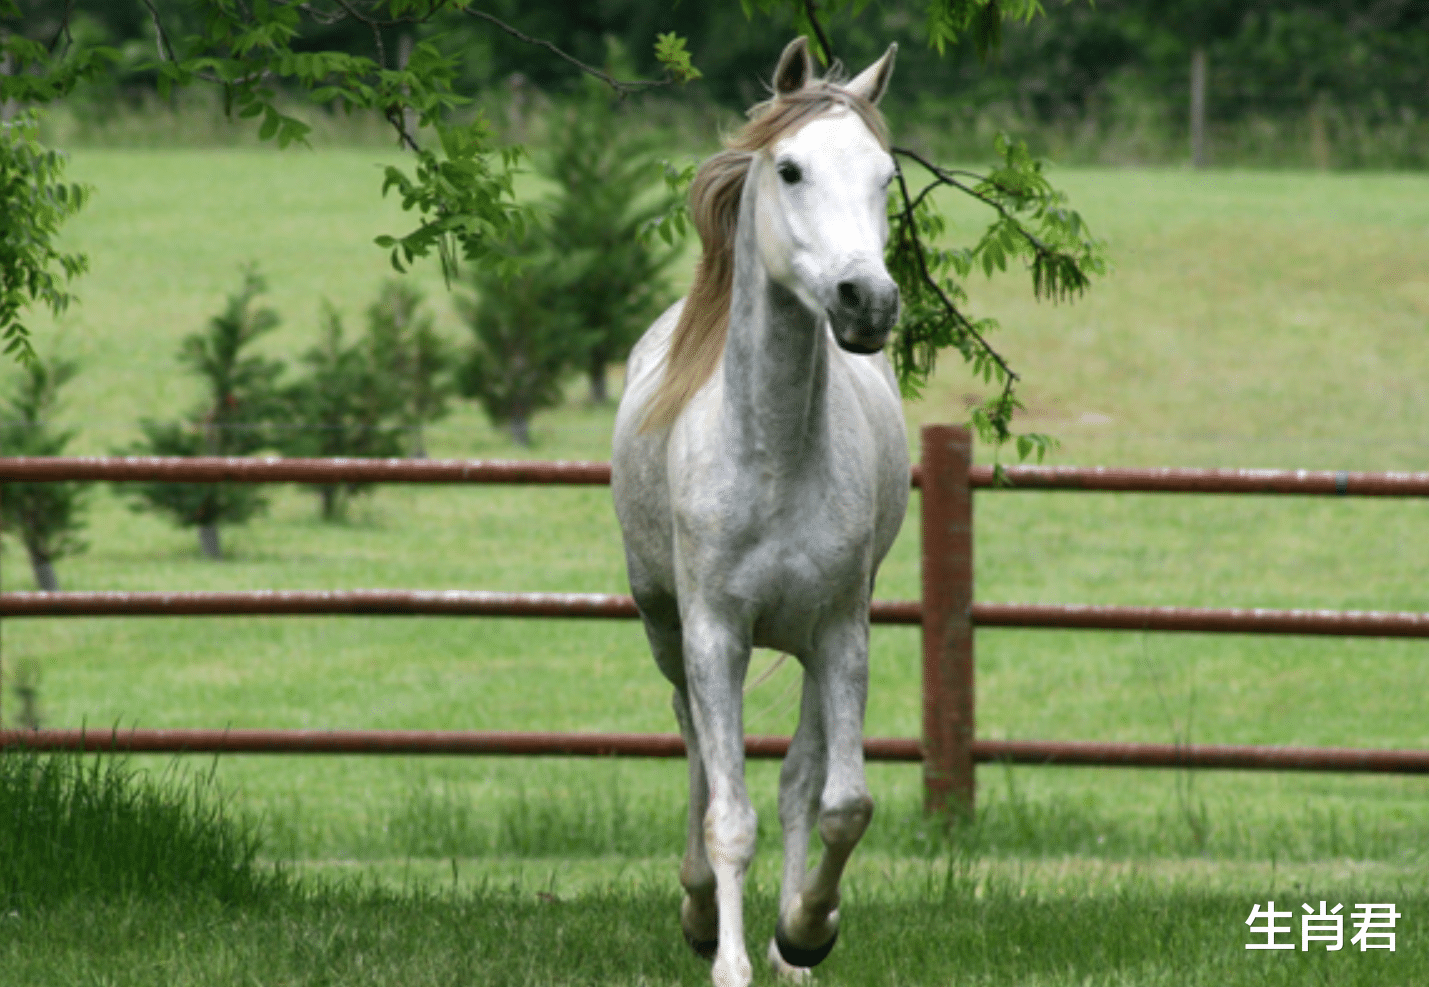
(947,615)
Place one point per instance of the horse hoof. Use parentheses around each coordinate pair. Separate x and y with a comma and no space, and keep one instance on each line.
(786,972)
(799,955)
(705,949)
(701,928)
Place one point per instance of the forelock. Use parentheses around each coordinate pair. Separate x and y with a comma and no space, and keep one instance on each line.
(785,114)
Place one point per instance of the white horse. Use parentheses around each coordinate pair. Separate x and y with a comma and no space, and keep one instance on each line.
(760,473)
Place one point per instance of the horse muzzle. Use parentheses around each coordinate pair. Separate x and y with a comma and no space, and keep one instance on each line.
(865,313)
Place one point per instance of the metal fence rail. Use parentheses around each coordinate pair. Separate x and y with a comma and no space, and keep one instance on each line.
(481,603)
(671,745)
(947,614)
(1103,479)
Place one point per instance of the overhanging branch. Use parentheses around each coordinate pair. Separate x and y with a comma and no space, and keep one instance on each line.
(622,86)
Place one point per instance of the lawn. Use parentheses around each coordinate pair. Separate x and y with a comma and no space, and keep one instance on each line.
(1253,319)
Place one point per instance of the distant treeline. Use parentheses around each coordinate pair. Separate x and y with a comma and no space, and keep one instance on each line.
(1345,81)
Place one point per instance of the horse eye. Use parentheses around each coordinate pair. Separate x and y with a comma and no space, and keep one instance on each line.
(790,172)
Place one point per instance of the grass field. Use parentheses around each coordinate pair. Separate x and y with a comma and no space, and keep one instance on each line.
(1253,319)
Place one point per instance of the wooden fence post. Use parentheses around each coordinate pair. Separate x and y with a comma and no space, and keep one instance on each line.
(948,770)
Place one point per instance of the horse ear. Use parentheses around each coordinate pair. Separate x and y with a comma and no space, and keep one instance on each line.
(872,81)
(795,68)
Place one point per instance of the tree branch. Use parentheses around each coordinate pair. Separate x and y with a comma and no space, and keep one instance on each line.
(63,30)
(944,176)
(621,86)
(811,12)
(166,54)
(166,48)
(910,229)
(376,32)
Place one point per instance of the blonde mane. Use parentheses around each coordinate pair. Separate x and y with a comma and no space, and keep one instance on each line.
(697,342)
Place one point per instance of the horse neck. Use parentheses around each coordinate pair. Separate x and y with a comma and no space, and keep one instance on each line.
(775,363)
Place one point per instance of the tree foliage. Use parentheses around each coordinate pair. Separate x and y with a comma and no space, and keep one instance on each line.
(524,339)
(603,171)
(415,361)
(1032,222)
(34,201)
(344,406)
(241,401)
(48,517)
(370,397)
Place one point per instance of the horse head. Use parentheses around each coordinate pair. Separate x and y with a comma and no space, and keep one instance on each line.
(821,216)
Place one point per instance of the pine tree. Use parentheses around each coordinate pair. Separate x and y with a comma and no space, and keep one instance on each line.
(524,338)
(350,403)
(605,171)
(235,418)
(48,517)
(410,355)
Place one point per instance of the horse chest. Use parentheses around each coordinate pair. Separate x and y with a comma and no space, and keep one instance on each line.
(785,553)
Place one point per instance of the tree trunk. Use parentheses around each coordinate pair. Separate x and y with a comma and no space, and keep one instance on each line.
(44,570)
(332,501)
(1319,139)
(1198,107)
(598,393)
(208,541)
(8,107)
(521,428)
(405,44)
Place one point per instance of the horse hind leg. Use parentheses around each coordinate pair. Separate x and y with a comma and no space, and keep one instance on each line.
(699,912)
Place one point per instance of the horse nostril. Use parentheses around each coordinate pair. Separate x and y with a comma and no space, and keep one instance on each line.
(848,294)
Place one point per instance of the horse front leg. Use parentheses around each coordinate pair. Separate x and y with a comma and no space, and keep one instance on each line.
(809,919)
(801,783)
(699,914)
(716,660)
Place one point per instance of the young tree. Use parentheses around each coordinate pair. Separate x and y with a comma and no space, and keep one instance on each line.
(524,338)
(240,403)
(604,169)
(411,357)
(48,517)
(350,403)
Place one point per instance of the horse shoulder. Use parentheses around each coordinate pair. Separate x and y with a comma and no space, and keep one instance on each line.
(639,481)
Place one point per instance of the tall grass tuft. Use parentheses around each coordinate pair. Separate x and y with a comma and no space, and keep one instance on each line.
(71,826)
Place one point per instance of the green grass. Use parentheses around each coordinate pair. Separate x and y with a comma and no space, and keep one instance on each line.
(949,922)
(1253,319)
(127,878)
(75,826)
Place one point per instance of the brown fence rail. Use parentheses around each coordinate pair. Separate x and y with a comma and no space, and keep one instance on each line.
(481,603)
(242,469)
(671,745)
(947,615)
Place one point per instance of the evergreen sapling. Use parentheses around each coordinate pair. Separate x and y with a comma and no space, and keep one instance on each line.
(240,403)
(47,517)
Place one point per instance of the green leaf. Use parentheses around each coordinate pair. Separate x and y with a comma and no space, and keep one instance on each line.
(670,52)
